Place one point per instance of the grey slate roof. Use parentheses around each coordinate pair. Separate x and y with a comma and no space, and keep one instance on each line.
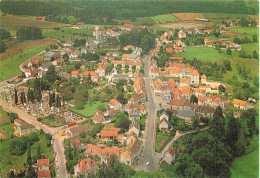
(186,113)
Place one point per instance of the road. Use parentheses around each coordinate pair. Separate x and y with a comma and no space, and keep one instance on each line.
(150,131)
(58,147)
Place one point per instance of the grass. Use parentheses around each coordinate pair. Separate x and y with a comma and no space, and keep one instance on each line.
(10,66)
(18,21)
(223,16)
(15,47)
(246,166)
(160,29)
(203,54)
(161,137)
(89,109)
(16,162)
(164,18)
(139,21)
(53,121)
(7,130)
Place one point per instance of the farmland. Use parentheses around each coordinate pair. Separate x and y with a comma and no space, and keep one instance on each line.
(166,18)
(10,66)
(139,21)
(185,24)
(15,47)
(188,16)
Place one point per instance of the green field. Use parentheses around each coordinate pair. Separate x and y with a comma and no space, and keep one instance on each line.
(223,16)
(16,162)
(203,54)
(164,18)
(68,33)
(246,166)
(7,130)
(10,66)
(89,110)
(139,21)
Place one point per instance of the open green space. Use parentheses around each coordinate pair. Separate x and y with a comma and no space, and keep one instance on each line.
(139,21)
(203,54)
(17,162)
(90,108)
(162,139)
(164,18)
(10,66)
(52,121)
(7,130)
(246,166)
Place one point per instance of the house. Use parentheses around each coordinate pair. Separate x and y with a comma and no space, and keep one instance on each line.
(68,44)
(134,116)
(176,104)
(101,70)
(51,55)
(169,156)
(178,59)
(126,48)
(240,104)
(127,27)
(76,143)
(155,72)
(28,73)
(114,104)
(137,98)
(187,115)
(40,18)
(76,131)
(164,115)
(98,117)
(207,89)
(125,56)
(235,46)
(111,112)
(203,79)
(205,111)
(23,127)
(134,127)
(107,135)
(164,124)
(43,164)
(44,174)
(85,167)
(181,34)
(75,74)
(92,74)
(56,62)
(132,151)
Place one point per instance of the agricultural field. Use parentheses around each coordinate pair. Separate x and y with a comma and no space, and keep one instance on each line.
(66,34)
(188,16)
(185,24)
(139,21)
(166,18)
(10,66)
(18,21)
(15,47)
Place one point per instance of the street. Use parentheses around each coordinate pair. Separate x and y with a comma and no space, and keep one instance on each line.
(150,131)
(58,147)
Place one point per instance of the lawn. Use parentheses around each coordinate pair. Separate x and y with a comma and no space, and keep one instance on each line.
(162,139)
(164,18)
(203,54)
(7,130)
(246,166)
(16,162)
(10,66)
(90,108)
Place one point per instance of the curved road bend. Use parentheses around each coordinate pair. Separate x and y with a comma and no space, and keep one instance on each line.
(149,136)
(58,147)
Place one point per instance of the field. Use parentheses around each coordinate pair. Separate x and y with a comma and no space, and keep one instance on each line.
(10,66)
(246,166)
(65,34)
(139,21)
(164,18)
(17,162)
(202,53)
(188,16)
(185,24)
(89,110)
(17,21)
(15,47)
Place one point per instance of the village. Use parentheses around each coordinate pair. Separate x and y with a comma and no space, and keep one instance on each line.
(116,128)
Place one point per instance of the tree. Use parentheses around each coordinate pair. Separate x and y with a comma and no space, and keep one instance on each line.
(195,122)
(121,98)
(217,126)
(15,97)
(229,52)
(232,131)
(255,55)
(51,74)
(221,88)
(31,172)
(193,99)
(4,34)
(28,33)
(2,47)
(39,155)
(255,38)
(29,157)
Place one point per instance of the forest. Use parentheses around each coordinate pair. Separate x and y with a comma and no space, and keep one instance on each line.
(86,10)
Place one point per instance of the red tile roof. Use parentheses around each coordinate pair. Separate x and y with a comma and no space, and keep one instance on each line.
(239,102)
(44,174)
(109,133)
(41,162)
(85,164)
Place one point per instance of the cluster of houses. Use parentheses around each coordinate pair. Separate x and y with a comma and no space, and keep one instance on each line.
(223,43)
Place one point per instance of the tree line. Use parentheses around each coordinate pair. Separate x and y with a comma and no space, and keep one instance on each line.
(74,10)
